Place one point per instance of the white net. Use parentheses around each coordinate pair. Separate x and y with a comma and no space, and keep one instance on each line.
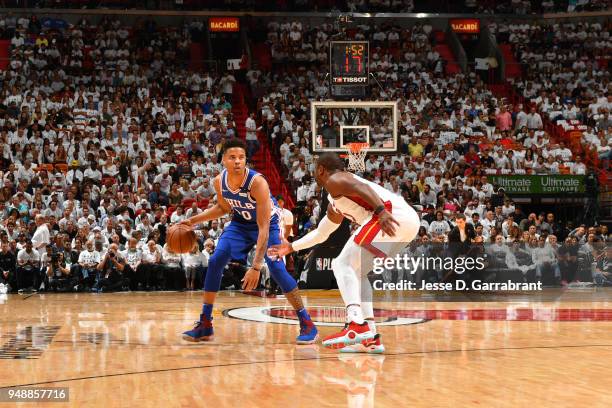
(356,156)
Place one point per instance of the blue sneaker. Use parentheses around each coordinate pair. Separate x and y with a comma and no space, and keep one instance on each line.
(308,332)
(202,331)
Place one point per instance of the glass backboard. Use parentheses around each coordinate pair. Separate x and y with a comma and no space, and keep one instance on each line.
(334,124)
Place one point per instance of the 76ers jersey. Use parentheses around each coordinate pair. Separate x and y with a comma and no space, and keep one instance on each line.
(358,211)
(244,207)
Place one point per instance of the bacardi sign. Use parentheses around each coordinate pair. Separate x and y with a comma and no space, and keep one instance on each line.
(466,25)
(224,24)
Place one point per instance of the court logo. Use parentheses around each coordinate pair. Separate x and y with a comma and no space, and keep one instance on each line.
(29,343)
(321,315)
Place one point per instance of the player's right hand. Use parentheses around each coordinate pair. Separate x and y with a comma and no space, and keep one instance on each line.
(186,222)
(386,222)
(278,251)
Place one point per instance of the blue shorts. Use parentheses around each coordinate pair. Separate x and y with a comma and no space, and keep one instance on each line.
(241,238)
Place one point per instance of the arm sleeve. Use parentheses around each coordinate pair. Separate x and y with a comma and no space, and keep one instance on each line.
(324,229)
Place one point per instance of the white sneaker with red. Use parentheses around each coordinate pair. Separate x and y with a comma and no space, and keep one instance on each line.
(351,334)
(371,346)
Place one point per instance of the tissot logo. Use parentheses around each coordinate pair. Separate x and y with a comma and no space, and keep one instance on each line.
(321,315)
(351,80)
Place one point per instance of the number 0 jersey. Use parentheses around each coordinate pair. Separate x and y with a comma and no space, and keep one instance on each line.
(244,207)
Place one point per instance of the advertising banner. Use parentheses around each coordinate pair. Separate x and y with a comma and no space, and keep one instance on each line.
(533,185)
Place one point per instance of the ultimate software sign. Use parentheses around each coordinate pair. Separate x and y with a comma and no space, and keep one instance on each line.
(553,184)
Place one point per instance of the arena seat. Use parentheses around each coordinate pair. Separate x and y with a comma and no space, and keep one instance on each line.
(46,167)
(61,167)
(186,203)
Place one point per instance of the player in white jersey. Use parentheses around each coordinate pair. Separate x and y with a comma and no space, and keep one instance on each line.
(387,224)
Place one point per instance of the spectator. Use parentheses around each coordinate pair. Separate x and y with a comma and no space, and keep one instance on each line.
(7,266)
(28,268)
(88,260)
(427,196)
(251,136)
(133,259)
(503,119)
(286,219)
(193,265)
(148,272)
(171,270)
(41,238)
(59,276)
(110,271)
(568,260)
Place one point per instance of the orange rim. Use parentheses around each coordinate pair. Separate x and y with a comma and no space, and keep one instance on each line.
(356,147)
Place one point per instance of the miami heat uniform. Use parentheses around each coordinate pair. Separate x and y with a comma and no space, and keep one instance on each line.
(356,260)
(369,235)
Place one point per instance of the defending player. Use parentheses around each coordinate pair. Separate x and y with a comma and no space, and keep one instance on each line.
(254,223)
(387,225)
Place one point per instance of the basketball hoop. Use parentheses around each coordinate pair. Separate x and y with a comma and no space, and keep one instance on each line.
(356,155)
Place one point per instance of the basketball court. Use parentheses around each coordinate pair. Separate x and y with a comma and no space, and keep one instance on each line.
(553,350)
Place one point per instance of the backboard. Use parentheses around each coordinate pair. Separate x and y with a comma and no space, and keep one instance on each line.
(334,124)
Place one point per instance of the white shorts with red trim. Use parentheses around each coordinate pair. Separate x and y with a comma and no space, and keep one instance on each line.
(370,237)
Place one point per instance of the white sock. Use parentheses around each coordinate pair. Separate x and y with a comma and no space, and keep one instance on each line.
(372,325)
(354,314)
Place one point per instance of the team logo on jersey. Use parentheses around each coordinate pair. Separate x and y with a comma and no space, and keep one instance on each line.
(321,316)
(240,204)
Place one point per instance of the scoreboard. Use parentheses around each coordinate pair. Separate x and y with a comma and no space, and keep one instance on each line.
(349,68)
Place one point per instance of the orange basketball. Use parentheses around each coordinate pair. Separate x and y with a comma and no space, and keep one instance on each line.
(180,238)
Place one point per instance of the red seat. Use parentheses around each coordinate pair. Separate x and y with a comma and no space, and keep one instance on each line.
(187,202)
(62,167)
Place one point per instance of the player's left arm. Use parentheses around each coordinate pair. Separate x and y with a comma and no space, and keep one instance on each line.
(343,184)
(260,191)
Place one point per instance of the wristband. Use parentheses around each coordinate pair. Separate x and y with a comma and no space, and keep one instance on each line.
(379,209)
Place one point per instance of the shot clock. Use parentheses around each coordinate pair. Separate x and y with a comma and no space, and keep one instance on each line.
(349,68)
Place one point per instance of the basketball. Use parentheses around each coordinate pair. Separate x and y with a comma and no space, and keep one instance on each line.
(180,239)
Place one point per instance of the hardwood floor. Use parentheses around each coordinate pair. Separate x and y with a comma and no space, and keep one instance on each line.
(125,349)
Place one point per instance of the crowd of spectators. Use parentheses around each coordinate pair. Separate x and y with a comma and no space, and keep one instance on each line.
(453,133)
(103,135)
(564,82)
(515,246)
(106,138)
